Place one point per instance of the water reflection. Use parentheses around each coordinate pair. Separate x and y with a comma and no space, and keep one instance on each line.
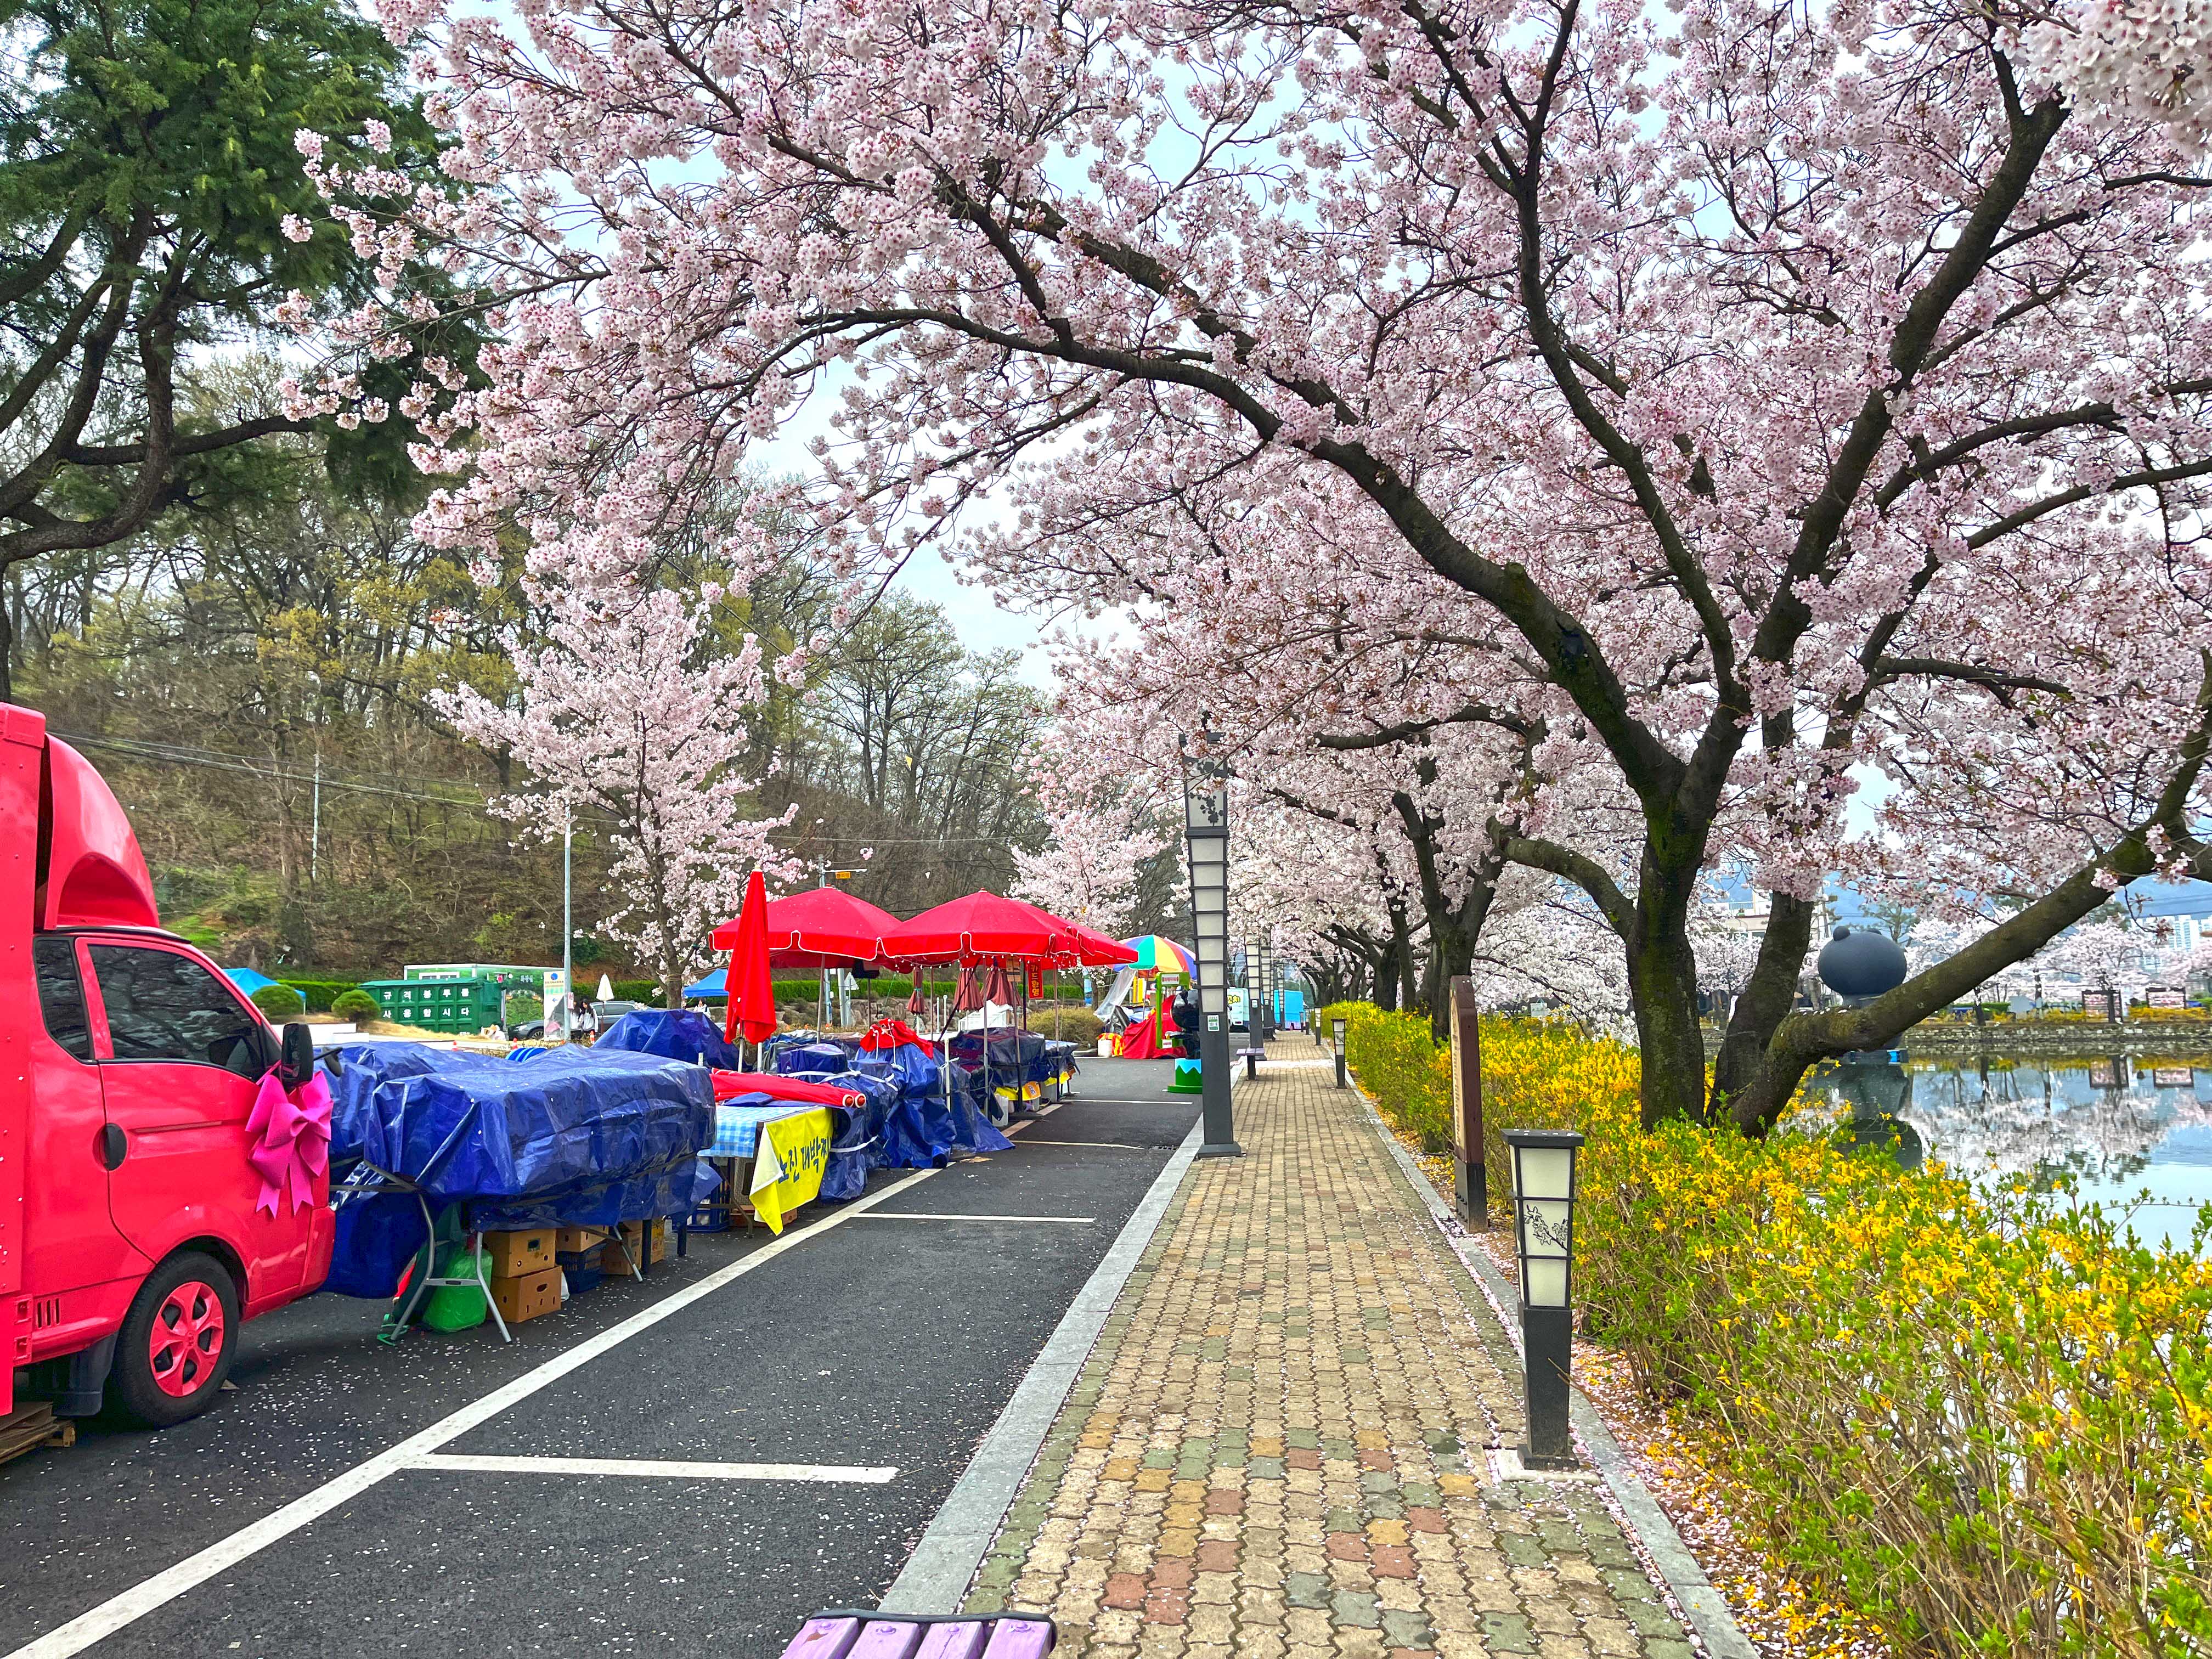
(2118,1124)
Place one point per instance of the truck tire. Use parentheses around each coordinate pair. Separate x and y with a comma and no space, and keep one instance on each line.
(177,1342)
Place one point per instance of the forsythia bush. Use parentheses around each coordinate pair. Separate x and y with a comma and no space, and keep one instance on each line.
(1983,1417)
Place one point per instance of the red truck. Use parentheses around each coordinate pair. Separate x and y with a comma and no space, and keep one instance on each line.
(132,1245)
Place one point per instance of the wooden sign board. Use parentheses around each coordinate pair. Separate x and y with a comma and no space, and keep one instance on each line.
(1470,1174)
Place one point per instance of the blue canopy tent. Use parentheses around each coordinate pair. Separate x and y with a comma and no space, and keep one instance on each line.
(247,979)
(716,985)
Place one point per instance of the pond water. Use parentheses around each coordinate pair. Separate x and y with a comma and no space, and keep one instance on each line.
(2121,1125)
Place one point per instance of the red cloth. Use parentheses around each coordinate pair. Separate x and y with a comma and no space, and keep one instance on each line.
(1001,990)
(1148,1039)
(824,926)
(893,1034)
(729,1085)
(752,994)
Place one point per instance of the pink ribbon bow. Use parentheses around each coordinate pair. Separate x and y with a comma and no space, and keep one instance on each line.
(291,1141)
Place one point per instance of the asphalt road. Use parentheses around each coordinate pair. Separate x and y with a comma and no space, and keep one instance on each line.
(874,1341)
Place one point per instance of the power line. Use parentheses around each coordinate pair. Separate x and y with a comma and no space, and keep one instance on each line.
(175,753)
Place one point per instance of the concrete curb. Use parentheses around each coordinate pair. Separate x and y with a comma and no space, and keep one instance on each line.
(1701,1605)
(944,1562)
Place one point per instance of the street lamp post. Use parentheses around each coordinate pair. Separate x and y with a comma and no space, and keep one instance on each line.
(1206,824)
(1544,1213)
(1336,1031)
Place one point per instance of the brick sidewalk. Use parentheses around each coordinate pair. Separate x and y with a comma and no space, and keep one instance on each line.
(1277,1447)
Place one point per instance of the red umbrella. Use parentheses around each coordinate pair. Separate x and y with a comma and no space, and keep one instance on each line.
(977,928)
(1092,949)
(824,927)
(1000,989)
(752,994)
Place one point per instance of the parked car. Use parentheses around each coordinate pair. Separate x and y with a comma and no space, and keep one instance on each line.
(132,1245)
(528,1031)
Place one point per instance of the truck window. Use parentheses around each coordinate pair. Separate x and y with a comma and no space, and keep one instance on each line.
(161,1006)
(61,995)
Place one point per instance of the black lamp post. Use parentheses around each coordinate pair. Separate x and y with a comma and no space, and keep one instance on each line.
(1544,1213)
(1336,1034)
(1206,824)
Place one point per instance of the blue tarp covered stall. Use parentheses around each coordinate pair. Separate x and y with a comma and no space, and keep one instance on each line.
(567,1138)
(674,1034)
(924,1127)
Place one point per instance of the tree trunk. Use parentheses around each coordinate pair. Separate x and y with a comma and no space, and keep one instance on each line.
(1766,999)
(1663,980)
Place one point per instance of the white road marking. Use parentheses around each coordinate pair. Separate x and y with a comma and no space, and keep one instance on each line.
(127,1607)
(857,1474)
(1117,1145)
(932,1215)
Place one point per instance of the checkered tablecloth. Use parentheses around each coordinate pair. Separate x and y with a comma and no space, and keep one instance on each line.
(737,1128)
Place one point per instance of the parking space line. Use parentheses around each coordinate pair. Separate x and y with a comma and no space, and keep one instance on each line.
(935,1215)
(1115,1146)
(127,1607)
(854,1474)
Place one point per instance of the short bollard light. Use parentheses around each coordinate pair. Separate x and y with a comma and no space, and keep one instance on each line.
(1336,1030)
(1544,1213)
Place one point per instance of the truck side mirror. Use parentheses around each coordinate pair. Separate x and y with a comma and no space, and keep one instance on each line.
(296,1062)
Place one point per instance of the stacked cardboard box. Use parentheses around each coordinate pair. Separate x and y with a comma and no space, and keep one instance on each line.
(526,1280)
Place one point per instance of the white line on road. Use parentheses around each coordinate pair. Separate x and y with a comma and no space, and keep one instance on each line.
(126,1608)
(935,1215)
(1116,1146)
(855,1475)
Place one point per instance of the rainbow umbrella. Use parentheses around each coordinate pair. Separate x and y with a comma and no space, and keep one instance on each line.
(1162,955)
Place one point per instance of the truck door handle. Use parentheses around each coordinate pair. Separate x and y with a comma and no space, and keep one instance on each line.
(113,1143)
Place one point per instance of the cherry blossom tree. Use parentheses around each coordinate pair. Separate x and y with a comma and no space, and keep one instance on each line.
(1729,406)
(629,723)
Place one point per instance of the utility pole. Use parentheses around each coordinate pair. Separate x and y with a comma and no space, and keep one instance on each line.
(568,926)
(315,826)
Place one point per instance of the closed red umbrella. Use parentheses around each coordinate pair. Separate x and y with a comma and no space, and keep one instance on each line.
(752,992)
(1000,989)
(967,990)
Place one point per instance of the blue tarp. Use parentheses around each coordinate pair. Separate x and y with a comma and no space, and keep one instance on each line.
(676,1034)
(568,1138)
(247,979)
(924,1128)
(823,1054)
(716,984)
(859,1146)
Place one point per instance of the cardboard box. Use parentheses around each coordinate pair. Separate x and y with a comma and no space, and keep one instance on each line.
(618,1262)
(515,1255)
(527,1296)
(572,1240)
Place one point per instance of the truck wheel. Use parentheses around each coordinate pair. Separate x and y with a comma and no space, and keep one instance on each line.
(177,1341)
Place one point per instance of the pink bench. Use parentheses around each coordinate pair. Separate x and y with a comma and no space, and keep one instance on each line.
(896,1636)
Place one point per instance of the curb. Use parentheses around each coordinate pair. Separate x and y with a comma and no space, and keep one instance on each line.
(1702,1606)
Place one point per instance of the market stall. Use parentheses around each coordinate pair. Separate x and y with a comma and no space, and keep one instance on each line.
(436,1154)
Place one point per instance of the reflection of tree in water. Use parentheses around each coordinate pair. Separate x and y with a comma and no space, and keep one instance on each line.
(2096,1119)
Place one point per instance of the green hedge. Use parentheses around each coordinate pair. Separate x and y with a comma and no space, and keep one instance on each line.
(278,1001)
(355,1005)
(319,993)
